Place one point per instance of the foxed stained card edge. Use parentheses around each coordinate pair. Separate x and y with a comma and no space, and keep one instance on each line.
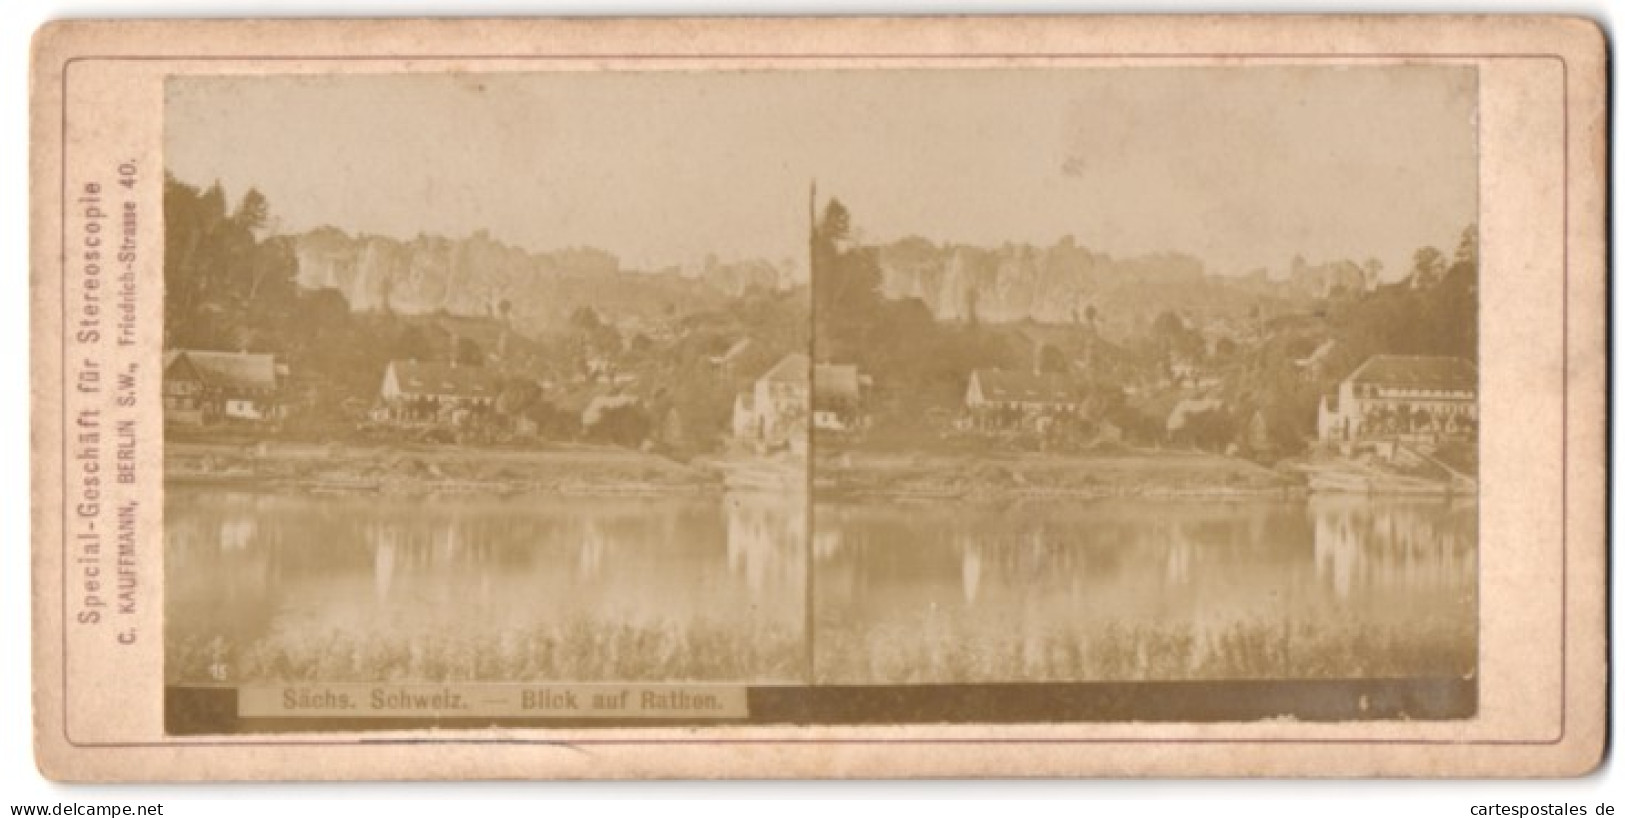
(1571,744)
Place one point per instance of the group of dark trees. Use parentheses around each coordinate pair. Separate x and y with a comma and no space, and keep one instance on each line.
(230,286)
(918,362)
(224,287)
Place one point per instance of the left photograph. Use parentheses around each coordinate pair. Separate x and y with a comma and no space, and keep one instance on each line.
(478,378)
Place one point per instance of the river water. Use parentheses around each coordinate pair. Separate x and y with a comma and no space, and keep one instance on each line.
(1133,590)
(292,587)
(280,587)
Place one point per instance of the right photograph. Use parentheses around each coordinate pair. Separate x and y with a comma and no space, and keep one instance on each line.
(1151,375)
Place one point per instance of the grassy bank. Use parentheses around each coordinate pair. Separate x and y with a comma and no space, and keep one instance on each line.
(409,468)
(1145,652)
(1128,473)
(579,650)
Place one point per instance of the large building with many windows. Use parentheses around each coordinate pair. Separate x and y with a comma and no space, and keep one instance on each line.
(1406,398)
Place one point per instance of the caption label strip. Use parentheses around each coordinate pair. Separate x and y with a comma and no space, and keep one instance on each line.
(493,700)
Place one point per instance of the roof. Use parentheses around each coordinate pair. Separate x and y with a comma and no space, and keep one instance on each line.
(1157,403)
(1002,386)
(1191,406)
(227,370)
(577,400)
(1319,355)
(604,403)
(791,368)
(740,347)
(1417,372)
(437,378)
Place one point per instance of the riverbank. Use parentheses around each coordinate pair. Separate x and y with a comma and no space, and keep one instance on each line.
(425,469)
(611,471)
(1127,473)
(1413,473)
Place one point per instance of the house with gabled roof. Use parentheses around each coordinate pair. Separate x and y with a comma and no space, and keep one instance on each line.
(777,408)
(733,355)
(1408,398)
(1023,391)
(430,391)
(1003,398)
(204,387)
(773,412)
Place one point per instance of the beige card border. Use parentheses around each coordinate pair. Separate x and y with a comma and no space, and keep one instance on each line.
(854,751)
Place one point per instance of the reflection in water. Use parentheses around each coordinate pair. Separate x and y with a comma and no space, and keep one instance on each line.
(1349,587)
(971,570)
(290,587)
(759,527)
(1418,546)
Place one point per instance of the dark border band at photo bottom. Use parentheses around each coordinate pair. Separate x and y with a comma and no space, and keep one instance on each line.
(196,710)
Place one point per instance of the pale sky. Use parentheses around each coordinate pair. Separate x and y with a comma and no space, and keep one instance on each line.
(1240,167)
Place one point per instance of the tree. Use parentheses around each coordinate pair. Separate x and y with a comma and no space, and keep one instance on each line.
(1427,267)
(1167,326)
(585,319)
(221,283)
(837,222)
(516,396)
(552,423)
(212,207)
(1372,271)
(1170,338)
(411,345)
(253,212)
(627,425)
(272,288)
(322,311)
(1210,429)
(1051,360)
(468,353)
(1467,247)
(847,302)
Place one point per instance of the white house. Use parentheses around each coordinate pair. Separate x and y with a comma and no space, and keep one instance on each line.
(423,391)
(1412,398)
(775,409)
(998,398)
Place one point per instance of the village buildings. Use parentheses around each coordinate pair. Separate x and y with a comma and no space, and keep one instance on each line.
(1413,399)
(203,387)
(773,412)
(1001,399)
(778,407)
(435,392)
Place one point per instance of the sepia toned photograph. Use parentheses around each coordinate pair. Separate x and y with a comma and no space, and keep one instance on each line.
(1152,375)
(848,378)
(474,379)
(819,398)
